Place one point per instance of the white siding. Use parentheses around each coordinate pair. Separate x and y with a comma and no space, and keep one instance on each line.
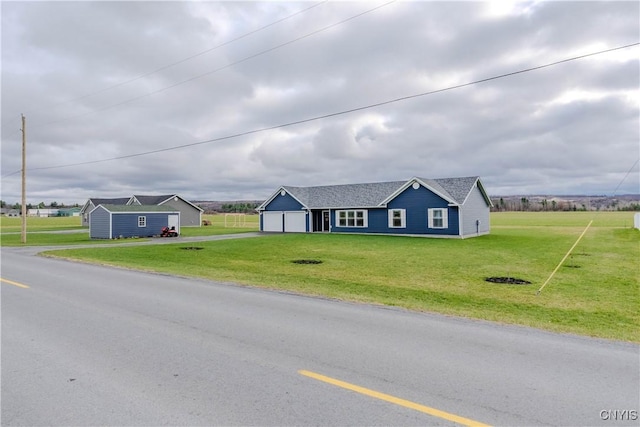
(474,209)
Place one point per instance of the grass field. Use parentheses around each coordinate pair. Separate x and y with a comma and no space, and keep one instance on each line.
(37,229)
(595,292)
(14,224)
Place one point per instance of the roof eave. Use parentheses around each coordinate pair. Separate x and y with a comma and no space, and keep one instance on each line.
(424,184)
(183,199)
(269,199)
(274,195)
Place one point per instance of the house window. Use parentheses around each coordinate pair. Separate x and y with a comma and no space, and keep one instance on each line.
(438,218)
(142,221)
(397,218)
(354,218)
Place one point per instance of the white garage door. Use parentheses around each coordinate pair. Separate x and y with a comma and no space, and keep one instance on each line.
(295,222)
(272,221)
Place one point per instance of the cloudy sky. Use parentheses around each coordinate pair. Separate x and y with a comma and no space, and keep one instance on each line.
(230,100)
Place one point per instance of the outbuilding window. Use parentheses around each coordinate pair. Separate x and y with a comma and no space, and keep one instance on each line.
(438,218)
(142,221)
(352,218)
(397,218)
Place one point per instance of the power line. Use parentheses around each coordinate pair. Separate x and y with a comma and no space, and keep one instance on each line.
(184,59)
(625,177)
(366,107)
(108,107)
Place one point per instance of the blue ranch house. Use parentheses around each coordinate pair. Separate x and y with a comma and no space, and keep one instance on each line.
(447,207)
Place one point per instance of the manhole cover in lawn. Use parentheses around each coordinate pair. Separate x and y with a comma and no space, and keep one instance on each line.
(192,248)
(507,280)
(306,261)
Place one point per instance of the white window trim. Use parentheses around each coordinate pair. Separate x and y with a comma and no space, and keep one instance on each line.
(403,218)
(142,221)
(365,217)
(445,217)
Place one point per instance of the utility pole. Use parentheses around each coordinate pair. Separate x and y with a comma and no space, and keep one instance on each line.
(24,180)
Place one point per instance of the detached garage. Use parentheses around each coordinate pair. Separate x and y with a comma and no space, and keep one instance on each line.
(125,221)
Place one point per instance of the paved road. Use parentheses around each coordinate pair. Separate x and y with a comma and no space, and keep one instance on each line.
(90,345)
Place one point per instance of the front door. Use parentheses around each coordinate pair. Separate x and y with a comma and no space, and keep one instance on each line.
(325,221)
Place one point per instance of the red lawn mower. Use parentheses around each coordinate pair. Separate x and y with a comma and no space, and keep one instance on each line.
(168,232)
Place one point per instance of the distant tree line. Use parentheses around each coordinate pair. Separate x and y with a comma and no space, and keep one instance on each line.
(635,207)
(524,204)
(41,205)
(239,207)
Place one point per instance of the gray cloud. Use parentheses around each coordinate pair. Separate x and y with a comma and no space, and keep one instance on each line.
(83,75)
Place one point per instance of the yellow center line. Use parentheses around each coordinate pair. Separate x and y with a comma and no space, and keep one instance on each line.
(20,285)
(392,399)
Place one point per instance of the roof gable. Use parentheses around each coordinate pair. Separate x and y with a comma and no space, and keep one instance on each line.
(101,201)
(159,200)
(150,200)
(453,190)
(457,189)
(136,208)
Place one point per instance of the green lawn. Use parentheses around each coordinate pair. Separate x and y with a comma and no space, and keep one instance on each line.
(14,224)
(39,230)
(596,291)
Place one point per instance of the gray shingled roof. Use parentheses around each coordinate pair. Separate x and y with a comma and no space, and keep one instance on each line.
(117,201)
(352,195)
(457,188)
(153,200)
(138,208)
(374,194)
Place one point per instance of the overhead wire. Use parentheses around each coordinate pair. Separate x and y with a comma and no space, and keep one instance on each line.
(181,61)
(199,76)
(625,177)
(343,112)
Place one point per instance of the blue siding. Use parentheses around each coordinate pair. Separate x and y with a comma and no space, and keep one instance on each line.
(416,202)
(376,222)
(283,203)
(126,224)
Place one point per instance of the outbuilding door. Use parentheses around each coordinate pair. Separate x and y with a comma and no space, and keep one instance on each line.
(272,221)
(295,222)
(174,221)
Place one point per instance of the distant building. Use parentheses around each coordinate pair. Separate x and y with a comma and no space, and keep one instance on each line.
(190,214)
(43,212)
(69,212)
